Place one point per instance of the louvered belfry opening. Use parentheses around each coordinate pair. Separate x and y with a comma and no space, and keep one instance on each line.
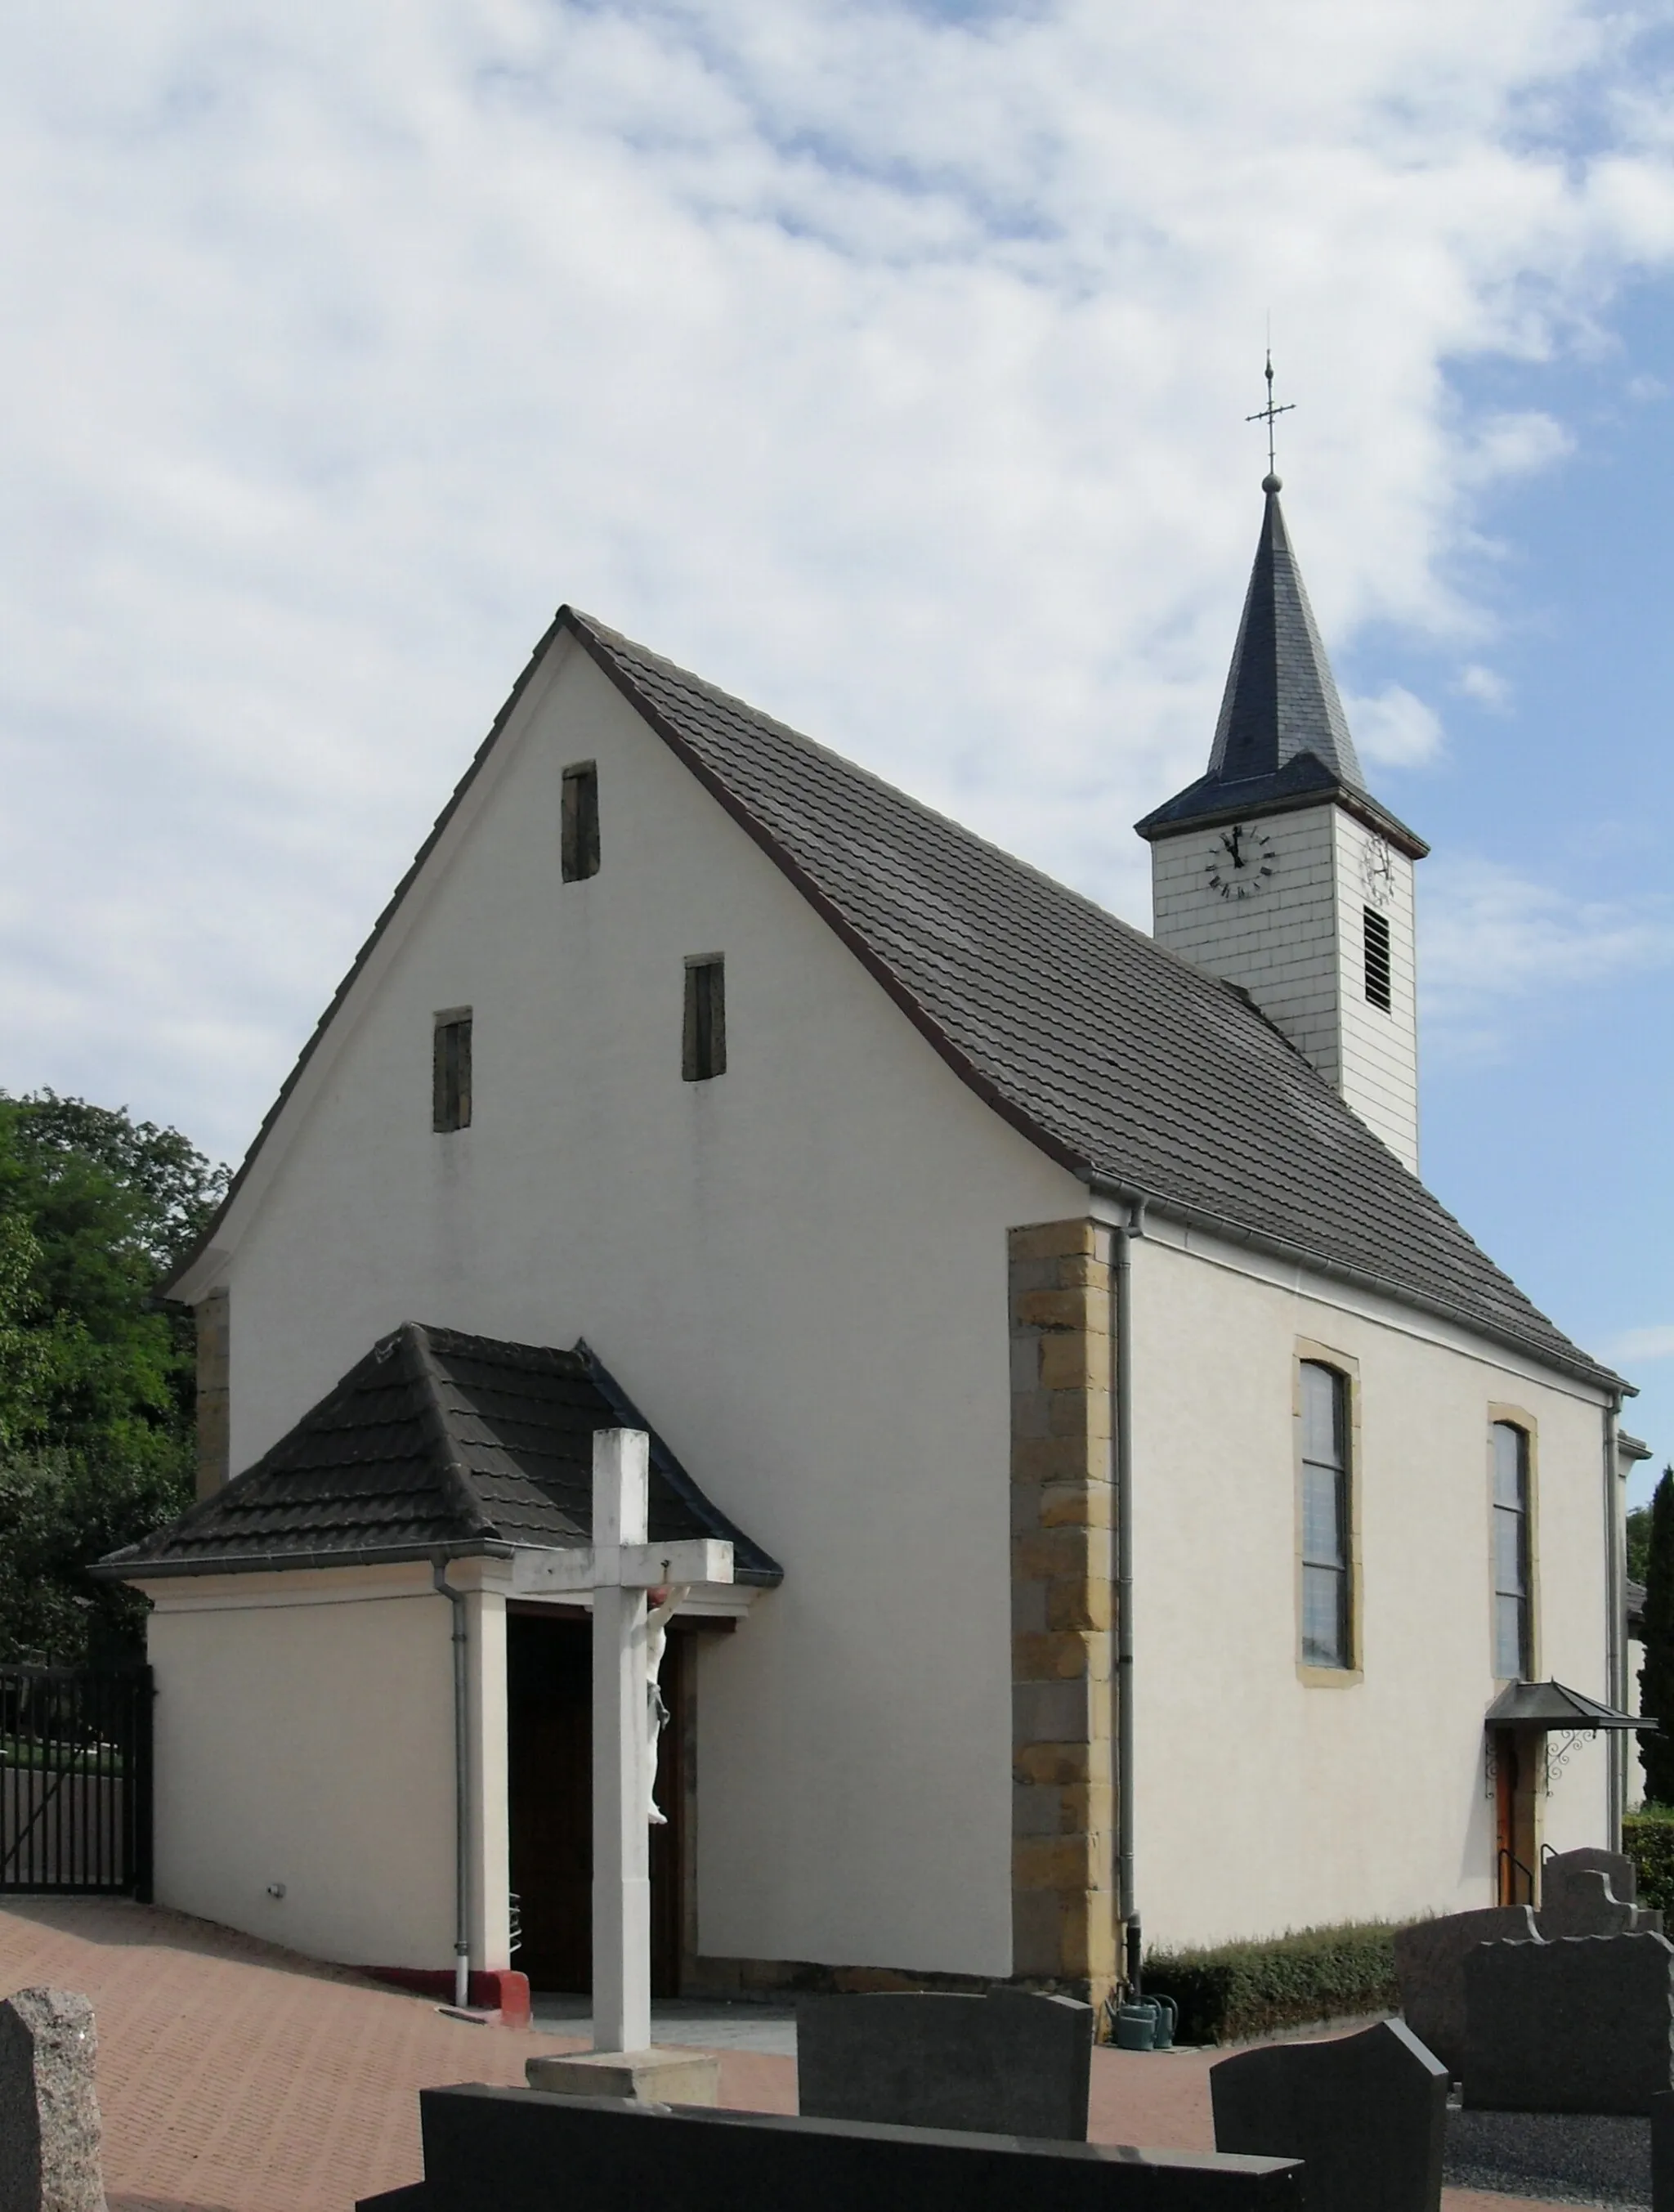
(1379,972)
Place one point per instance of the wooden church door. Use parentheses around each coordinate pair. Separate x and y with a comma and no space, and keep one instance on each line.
(549,1777)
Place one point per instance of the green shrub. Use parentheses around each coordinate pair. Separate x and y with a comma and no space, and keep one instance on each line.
(1647,1838)
(1237,1990)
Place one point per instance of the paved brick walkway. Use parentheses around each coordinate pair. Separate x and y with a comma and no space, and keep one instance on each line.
(237,2077)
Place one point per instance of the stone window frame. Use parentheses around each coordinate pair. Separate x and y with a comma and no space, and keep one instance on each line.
(1519,1418)
(1307,1353)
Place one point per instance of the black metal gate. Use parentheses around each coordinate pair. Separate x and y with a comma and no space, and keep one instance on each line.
(75,1780)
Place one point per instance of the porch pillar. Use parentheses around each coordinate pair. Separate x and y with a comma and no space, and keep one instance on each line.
(486,1582)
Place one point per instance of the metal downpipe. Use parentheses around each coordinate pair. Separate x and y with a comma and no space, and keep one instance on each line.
(461,1786)
(1121,1353)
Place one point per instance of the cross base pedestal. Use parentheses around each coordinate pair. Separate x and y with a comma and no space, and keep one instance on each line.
(656,2077)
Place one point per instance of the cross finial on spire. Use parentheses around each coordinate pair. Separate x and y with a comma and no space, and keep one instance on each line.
(1269,415)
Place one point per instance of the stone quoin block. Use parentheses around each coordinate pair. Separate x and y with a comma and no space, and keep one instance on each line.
(1062,1564)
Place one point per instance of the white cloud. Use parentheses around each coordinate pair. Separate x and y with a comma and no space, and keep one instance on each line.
(1644,1344)
(1505,445)
(1394,727)
(887,368)
(1485,685)
(1490,938)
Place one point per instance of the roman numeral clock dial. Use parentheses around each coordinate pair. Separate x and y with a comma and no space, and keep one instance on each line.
(1241,861)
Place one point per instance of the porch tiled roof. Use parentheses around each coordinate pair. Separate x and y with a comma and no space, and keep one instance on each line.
(435,1440)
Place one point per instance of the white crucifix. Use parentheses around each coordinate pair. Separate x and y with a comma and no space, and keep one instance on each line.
(627,1650)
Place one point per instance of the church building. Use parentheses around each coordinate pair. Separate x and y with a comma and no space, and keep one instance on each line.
(1148,1506)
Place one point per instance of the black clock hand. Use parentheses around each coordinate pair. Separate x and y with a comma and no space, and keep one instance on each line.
(1232,840)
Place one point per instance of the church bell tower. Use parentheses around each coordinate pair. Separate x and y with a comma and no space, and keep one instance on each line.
(1279,870)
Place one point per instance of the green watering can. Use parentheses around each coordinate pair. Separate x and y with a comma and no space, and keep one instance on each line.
(1148,2024)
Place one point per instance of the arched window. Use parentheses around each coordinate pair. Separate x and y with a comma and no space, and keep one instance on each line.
(1327,1627)
(1511,1552)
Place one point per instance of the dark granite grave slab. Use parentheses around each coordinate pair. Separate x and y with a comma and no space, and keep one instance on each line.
(528,2150)
(1009,2063)
(1365,2113)
(1585,2025)
(1583,1893)
(1583,1903)
(1429,1969)
(1618,1868)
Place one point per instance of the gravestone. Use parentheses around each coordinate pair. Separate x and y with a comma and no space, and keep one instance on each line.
(1590,1892)
(1366,2114)
(1429,1968)
(1618,1868)
(1584,2025)
(1009,2063)
(49,2112)
(1582,1903)
(526,2150)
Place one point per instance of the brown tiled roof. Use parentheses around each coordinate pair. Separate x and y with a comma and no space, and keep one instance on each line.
(1116,1056)
(436,1441)
(1123,1062)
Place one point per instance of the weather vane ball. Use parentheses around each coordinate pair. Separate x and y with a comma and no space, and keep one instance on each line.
(1269,413)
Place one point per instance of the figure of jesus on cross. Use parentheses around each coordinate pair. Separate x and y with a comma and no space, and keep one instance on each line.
(627,1712)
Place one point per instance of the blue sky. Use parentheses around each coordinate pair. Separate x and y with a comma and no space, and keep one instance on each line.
(889,364)
(1549,1087)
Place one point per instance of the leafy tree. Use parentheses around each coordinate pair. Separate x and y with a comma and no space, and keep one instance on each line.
(1639,1543)
(96,1374)
(1656,1676)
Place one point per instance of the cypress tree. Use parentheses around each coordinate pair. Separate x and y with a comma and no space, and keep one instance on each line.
(1656,1676)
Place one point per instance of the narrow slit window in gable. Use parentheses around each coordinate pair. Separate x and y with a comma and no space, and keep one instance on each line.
(703,1052)
(580,822)
(449,1089)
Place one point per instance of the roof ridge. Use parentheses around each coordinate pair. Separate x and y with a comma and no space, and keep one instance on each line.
(892,791)
(1051,1133)
(433,1415)
(1111,1055)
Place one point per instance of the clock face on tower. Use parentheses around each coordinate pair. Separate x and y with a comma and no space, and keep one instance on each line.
(1377,867)
(1241,861)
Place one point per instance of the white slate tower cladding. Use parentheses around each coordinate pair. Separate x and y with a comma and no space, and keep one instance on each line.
(1278,869)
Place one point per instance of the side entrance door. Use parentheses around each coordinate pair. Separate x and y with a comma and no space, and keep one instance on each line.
(549,1764)
(1516,1764)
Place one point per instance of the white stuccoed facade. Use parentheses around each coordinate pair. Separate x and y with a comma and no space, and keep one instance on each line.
(797,1271)
(1296,944)
(801,1272)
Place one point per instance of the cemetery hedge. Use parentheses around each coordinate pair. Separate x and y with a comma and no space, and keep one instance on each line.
(1237,1990)
(1647,1838)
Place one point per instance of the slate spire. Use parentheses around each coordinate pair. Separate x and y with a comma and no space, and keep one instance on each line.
(1280,698)
(1282,738)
